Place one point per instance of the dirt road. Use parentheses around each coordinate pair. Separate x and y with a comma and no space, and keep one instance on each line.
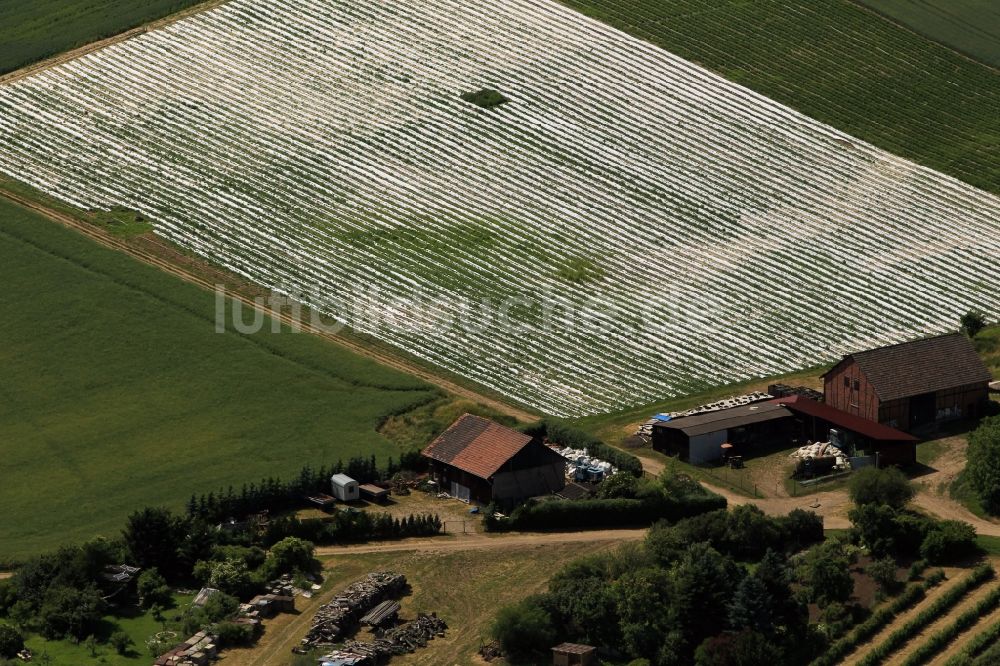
(833,505)
(183,270)
(484,542)
(932,494)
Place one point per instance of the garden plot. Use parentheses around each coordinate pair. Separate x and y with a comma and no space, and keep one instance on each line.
(673,230)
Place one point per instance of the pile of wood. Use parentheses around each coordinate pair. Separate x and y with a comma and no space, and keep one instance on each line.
(198,650)
(490,651)
(399,640)
(334,619)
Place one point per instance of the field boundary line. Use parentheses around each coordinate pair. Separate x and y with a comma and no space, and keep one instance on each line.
(395,362)
(80,51)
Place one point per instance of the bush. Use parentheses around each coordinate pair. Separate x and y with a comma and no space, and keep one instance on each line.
(886,486)
(70,612)
(524,630)
(983,467)
(485,98)
(121,642)
(916,569)
(231,577)
(948,541)
(826,574)
(153,589)
(11,641)
(620,485)
(290,555)
(973,322)
(234,635)
(883,572)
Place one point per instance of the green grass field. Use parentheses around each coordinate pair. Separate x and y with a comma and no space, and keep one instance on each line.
(31,30)
(969,26)
(841,64)
(116,392)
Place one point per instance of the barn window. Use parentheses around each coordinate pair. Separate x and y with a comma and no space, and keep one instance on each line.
(857,385)
(847,382)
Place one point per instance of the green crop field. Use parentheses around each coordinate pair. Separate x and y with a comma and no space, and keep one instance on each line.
(34,29)
(116,392)
(841,64)
(969,26)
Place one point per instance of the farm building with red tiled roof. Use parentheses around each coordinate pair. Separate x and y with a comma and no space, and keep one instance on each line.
(478,459)
(912,386)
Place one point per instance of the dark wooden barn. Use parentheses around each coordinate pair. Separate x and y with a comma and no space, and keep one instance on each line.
(859,436)
(478,459)
(748,428)
(775,424)
(912,386)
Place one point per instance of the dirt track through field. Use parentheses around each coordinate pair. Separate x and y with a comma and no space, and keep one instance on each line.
(106,239)
(484,542)
(833,505)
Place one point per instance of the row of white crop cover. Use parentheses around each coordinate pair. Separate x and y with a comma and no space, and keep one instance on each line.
(641,281)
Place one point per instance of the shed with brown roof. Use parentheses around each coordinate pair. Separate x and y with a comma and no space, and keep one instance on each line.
(574,654)
(913,385)
(478,459)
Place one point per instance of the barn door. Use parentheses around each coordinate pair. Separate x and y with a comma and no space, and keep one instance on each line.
(460,491)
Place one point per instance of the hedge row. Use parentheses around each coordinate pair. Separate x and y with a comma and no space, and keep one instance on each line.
(940,607)
(980,642)
(910,597)
(938,641)
(558,432)
(598,513)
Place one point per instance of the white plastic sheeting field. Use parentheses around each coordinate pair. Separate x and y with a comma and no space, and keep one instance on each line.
(321,147)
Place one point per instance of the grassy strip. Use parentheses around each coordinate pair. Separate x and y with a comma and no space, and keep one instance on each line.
(910,597)
(938,641)
(981,641)
(899,637)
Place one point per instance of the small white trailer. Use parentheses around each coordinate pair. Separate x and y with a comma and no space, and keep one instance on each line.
(344,488)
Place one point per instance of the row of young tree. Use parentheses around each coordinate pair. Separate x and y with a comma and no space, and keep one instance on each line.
(274,494)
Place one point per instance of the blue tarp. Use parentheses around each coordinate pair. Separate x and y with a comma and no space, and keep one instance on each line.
(662,417)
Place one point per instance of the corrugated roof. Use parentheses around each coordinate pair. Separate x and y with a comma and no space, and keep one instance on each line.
(477,445)
(723,419)
(922,366)
(845,420)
